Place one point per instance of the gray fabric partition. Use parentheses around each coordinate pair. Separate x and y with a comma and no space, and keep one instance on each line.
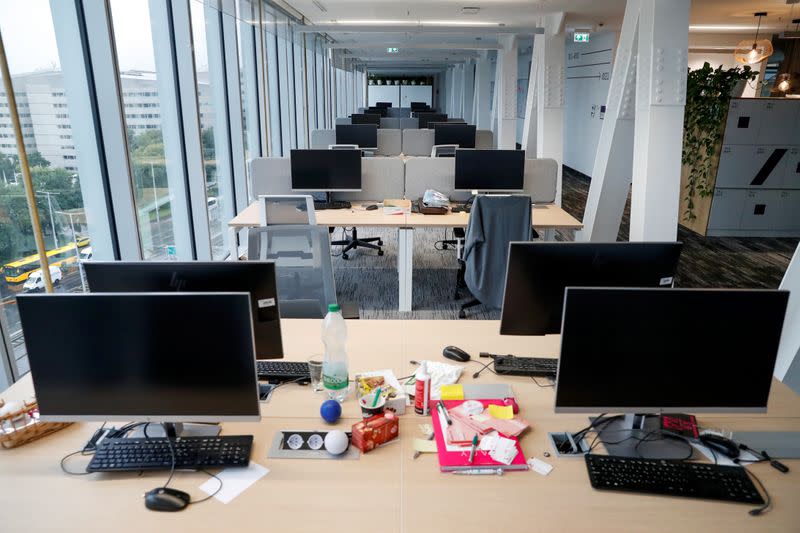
(321,139)
(381,178)
(484,140)
(344,121)
(540,180)
(398,112)
(271,175)
(417,142)
(436,173)
(409,123)
(390,123)
(389,141)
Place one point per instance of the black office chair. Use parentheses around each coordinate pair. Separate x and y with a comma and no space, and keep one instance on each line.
(495,221)
(352,242)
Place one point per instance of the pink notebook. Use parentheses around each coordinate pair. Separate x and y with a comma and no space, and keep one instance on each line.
(457,457)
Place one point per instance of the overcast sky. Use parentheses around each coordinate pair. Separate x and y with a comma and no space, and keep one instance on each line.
(29,38)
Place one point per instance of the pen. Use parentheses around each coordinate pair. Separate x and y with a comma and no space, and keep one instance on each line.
(479,472)
(445,413)
(472,451)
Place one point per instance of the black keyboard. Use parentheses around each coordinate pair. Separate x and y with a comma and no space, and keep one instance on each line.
(278,371)
(672,478)
(115,455)
(333,204)
(510,365)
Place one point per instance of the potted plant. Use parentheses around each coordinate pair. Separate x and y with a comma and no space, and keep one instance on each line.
(708,94)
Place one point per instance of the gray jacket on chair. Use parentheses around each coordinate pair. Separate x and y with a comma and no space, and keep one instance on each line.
(494,222)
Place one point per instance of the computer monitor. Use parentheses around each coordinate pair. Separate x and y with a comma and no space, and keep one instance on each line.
(641,351)
(538,272)
(258,278)
(461,134)
(490,170)
(141,357)
(419,106)
(366,118)
(383,105)
(425,117)
(326,170)
(377,111)
(363,135)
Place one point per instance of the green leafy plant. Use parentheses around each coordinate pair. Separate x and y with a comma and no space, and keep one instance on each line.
(708,93)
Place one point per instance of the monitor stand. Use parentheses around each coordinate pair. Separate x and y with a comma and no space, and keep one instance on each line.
(176,429)
(621,437)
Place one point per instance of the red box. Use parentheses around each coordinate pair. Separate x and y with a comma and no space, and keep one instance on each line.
(375,431)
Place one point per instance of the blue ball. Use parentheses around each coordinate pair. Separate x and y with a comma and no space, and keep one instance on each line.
(330,411)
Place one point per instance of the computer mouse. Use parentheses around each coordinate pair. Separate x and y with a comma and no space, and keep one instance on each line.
(166,499)
(456,354)
(720,444)
(372,207)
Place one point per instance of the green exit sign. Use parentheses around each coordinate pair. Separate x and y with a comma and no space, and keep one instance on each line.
(581,37)
(392,50)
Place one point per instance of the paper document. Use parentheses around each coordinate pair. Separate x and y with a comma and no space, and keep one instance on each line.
(539,466)
(424,446)
(234,481)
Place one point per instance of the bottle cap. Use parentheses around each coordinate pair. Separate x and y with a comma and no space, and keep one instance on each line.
(334,308)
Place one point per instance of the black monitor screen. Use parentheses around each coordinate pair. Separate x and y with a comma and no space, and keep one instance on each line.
(377,111)
(326,170)
(538,273)
(254,277)
(682,350)
(425,118)
(161,357)
(363,135)
(419,106)
(461,134)
(366,118)
(490,170)
(383,105)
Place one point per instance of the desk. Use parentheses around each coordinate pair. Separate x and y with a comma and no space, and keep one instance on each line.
(333,496)
(546,218)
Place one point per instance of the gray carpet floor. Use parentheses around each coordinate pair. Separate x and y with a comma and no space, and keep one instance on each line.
(371,281)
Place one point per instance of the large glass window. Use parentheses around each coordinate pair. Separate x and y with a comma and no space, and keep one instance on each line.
(46,118)
(301,112)
(270,37)
(286,84)
(141,97)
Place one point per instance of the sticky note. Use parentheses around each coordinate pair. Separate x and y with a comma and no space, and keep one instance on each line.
(503,412)
(424,446)
(452,392)
(234,481)
(539,466)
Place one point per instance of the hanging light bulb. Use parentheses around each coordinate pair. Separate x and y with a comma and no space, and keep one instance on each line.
(783,84)
(755,51)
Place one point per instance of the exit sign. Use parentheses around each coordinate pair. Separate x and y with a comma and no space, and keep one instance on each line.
(392,50)
(581,37)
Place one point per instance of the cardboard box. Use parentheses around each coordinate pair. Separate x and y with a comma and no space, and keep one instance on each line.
(397,402)
(374,431)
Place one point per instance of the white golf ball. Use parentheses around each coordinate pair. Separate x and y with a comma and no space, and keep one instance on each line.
(336,442)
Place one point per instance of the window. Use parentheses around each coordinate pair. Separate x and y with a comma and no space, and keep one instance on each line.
(37,78)
(275,125)
(146,142)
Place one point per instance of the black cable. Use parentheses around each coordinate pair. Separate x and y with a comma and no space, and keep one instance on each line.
(64,459)
(759,510)
(484,366)
(219,488)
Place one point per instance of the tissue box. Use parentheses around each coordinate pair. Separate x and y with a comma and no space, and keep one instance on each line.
(397,207)
(397,402)
(375,431)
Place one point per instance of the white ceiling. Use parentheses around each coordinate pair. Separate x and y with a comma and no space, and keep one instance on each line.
(707,16)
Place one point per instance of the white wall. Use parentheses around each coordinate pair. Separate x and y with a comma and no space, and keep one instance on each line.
(588,76)
(383,93)
(415,93)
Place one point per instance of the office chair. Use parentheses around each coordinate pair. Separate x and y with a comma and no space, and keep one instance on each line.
(275,209)
(353,242)
(494,222)
(303,267)
(444,150)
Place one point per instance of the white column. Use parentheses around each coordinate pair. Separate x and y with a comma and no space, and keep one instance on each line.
(658,131)
(548,52)
(469,91)
(787,367)
(611,172)
(480,108)
(506,89)
(529,123)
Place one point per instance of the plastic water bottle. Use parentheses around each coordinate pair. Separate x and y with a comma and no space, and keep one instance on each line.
(335,377)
